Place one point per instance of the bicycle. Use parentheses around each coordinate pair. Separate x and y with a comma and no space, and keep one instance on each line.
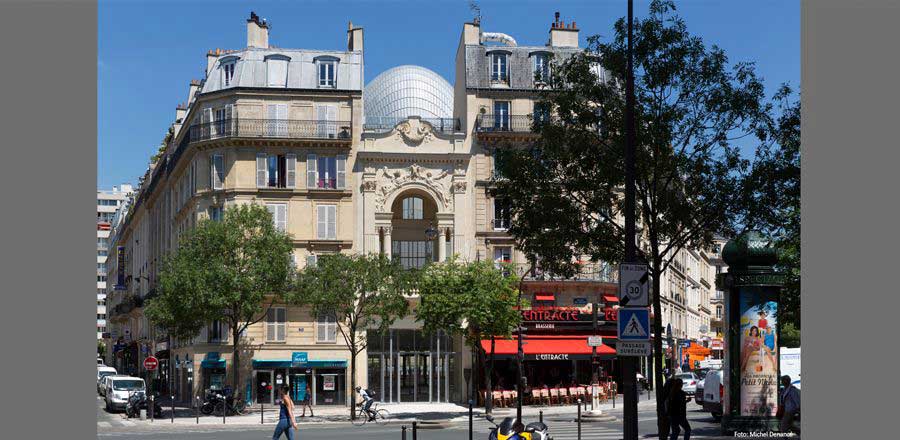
(236,406)
(381,415)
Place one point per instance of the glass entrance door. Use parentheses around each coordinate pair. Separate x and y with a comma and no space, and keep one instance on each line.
(423,377)
(406,377)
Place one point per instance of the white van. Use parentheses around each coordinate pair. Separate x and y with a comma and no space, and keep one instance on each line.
(103,371)
(713,392)
(119,388)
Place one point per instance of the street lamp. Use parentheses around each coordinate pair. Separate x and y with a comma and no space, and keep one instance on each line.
(430,232)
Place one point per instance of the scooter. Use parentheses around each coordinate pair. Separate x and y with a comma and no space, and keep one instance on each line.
(213,401)
(505,430)
(138,401)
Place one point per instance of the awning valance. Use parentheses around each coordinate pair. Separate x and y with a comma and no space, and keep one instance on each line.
(610,298)
(287,363)
(547,345)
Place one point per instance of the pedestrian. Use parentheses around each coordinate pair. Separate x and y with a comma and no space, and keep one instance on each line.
(307,402)
(677,405)
(790,406)
(286,423)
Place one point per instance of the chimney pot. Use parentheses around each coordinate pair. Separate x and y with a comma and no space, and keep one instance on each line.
(573,25)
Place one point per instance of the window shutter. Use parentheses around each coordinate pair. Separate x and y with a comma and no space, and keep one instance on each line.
(276,72)
(281,324)
(322,121)
(262,172)
(281,219)
(332,222)
(229,118)
(291,165)
(322,223)
(312,176)
(332,120)
(341,171)
(281,114)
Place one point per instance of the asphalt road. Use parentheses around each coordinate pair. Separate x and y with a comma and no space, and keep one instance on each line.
(115,427)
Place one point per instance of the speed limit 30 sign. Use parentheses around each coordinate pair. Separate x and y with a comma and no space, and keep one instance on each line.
(634,285)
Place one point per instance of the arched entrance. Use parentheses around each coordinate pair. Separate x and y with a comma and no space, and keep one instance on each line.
(413,219)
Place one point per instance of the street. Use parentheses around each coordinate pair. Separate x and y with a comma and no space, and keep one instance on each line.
(115,426)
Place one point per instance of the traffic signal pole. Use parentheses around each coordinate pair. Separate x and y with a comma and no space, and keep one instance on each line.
(630,425)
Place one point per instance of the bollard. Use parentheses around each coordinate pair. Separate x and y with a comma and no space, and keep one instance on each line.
(197,408)
(150,410)
(223,411)
(614,399)
(541,416)
(262,409)
(579,419)
(470,418)
(173,408)
(414,429)
(403,432)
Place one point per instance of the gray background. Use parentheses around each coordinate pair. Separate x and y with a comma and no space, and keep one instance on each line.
(850,192)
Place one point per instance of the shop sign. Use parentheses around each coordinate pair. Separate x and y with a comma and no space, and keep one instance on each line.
(120,268)
(298,358)
(633,348)
(595,341)
(717,344)
(580,301)
(551,357)
(328,382)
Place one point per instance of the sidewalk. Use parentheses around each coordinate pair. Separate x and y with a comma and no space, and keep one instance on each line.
(399,413)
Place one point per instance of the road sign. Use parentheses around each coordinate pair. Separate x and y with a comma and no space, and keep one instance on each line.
(634,324)
(634,285)
(633,348)
(150,363)
(595,341)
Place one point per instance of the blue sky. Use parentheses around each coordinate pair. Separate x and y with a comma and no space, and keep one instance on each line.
(149,51)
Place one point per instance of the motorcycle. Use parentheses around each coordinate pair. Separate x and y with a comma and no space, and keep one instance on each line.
(213,402)
(138,401)
(506,431)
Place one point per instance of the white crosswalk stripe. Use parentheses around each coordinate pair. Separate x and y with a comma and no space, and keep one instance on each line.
(104,424)
(570,431)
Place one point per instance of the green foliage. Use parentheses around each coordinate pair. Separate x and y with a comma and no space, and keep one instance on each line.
(224,271)
(790,335)
(475,293)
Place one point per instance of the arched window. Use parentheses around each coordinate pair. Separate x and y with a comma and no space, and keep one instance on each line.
(412,208)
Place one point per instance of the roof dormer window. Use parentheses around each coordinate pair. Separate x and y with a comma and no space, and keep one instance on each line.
(500,67)
(276,70)
(227,69)
(541,63)
(326,67)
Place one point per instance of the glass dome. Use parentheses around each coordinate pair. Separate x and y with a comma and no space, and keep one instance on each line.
(405,91)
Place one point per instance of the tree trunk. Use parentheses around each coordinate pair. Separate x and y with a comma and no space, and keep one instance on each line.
(235,362)
(488,396)
(353,354)
(661,421)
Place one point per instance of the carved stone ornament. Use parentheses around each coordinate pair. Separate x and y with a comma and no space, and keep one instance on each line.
(390,181)
(459,187)
(369,186)
(414,131)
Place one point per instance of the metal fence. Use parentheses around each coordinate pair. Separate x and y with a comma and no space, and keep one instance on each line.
(385,124)
(270,128)
(588,271)
(504,123)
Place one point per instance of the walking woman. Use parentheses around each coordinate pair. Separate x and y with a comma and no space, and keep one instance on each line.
(307,403)
(677,410)
(286,423)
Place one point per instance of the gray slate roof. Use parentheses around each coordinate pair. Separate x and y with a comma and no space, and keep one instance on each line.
(478,64)
(250,69)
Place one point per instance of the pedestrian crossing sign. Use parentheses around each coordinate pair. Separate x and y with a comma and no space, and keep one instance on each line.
(634,324)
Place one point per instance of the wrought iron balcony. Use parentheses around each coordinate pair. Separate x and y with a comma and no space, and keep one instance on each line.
(270,128)
(501,223)
(386,124)
(588,271)
(486,123)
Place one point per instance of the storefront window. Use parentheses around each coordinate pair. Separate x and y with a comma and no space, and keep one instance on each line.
(330,387)
(407,365)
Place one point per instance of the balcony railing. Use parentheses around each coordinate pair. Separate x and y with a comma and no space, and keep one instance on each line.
(270,128)
(501,223)
(598,272)
(386,124)
(504,123)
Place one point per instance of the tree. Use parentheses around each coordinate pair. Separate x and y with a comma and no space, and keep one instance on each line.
(773,191)
(690,107)
(359,292)
(475,299)
(229,271)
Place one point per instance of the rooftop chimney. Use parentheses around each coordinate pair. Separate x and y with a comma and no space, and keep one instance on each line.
(257,32)
(562,36)
(180,112)
(211,57)
(354,37)
(472,33)
(192,90)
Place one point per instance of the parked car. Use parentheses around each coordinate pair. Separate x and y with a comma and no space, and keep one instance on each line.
(100,361)
(690,382)
(104,383)
(120,388)
(713,393)
(103,371)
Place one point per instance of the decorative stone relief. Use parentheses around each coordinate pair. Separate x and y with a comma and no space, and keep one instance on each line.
(390,181)
(414,131)
(459,187)
(369,186)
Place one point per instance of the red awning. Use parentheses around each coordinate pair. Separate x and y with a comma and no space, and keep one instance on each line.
(545,345)
(544,298)
(610,298)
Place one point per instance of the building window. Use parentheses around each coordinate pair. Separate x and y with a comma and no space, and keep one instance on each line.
(501,115)
(326,172)
(326,121)
(275,324)
(101,278)
(719,312)
(412,254)
(276,170)
(412,208)
(541,68)
(326,227)
(217,171)
(502,255)
(215,213)
(217,332)
(103,253)
(279,215)
(499,68)
(276,72)
(311,260)
(501,214)
(277,120)
(326,328)
(227,73)
(541,112)
(327,73)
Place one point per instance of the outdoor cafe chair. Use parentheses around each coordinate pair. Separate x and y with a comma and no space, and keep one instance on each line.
(545,396)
